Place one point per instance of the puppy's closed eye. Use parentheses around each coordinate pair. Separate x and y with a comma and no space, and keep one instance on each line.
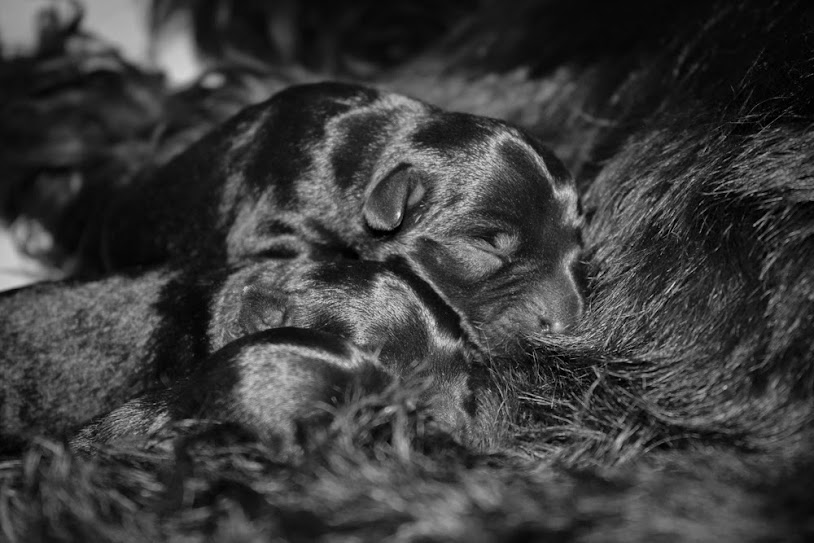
(502,244)
(479,257)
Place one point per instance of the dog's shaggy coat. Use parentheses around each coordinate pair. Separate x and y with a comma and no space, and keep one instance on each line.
(681,408)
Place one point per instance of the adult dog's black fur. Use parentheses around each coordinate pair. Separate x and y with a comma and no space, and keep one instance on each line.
(680,410)
(478,208)
(112,339)
(701,238)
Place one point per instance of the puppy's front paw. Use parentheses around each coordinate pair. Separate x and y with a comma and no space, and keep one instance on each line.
(261,310)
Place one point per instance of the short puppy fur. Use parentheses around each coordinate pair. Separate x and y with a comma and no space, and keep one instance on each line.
(103,357)
(381,307)
(479,209)
(268,382)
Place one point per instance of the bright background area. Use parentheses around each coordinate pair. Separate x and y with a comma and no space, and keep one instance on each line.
(122,22)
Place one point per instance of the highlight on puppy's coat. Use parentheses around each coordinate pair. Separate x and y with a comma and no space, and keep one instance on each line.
(481,210)
(171,346)
(680,406)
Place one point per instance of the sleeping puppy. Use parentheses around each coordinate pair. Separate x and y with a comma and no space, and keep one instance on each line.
(268,382)
(271,382)
(360,326)
(381,307)
(478,208)
(70,352)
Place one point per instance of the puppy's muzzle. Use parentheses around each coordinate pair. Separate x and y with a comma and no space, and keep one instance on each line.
(559,308)
(555,307)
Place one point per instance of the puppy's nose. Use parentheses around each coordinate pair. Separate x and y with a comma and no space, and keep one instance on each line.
(556,326)
(561,314)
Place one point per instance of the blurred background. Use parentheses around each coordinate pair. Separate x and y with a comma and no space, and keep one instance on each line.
(122,23)
(97,94)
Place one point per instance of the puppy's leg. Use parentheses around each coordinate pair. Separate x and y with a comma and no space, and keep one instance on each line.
(268,382)
(141,416)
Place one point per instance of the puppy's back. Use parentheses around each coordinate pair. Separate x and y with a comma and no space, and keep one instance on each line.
(268,382)
(72,350)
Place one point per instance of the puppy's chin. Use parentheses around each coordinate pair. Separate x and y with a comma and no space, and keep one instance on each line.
(507,336)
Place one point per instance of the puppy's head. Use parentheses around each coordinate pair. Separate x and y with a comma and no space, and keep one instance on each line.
(383,308)
(482,211)
(488,216)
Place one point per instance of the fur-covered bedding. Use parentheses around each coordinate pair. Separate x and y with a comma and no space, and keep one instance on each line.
(679,409)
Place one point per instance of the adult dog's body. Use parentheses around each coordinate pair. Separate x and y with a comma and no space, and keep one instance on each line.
(680,408)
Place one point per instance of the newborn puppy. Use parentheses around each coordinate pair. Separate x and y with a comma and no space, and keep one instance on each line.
(70,354)
(381,307)
(477,207)
(360,325)
(268,382)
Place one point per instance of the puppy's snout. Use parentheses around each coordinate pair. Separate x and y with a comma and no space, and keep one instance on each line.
(557,326)
(562,309)
(546,325)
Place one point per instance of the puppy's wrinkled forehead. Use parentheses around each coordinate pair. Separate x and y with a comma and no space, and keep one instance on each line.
(496,171)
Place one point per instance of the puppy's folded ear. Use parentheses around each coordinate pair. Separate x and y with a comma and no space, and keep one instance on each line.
(391,197)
